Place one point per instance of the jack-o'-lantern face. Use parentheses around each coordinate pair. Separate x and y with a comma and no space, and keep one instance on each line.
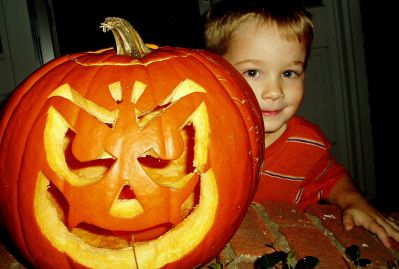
(119,162)
(132,186)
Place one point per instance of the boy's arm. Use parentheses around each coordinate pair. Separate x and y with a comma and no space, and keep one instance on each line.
(358,211)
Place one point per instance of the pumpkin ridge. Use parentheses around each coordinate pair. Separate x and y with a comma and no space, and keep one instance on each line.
(82,60)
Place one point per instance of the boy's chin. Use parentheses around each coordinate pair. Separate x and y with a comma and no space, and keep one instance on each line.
(273,126)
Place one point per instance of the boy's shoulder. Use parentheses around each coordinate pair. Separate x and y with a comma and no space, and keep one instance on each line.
(301,128)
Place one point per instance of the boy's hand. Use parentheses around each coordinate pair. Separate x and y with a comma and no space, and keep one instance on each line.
(366,216)
(358,211)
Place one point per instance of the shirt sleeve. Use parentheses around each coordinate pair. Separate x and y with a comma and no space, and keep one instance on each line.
(321,180)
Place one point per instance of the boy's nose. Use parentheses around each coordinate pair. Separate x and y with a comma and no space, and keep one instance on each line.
(272,92)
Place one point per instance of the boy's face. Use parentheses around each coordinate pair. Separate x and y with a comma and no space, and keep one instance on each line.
(273,67)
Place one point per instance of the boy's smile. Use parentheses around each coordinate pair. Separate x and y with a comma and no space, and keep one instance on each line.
(267,113)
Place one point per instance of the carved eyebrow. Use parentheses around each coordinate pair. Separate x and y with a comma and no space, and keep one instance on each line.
(184,88)
(101,113)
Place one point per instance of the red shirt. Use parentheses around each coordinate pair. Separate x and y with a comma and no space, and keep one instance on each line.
(298,167)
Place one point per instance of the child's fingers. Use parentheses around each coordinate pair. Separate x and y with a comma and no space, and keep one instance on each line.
(391,227)
(348,220)
(394,223)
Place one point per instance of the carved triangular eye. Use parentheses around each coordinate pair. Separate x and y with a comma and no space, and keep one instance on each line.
(90,169)
(58,135)
(171,173)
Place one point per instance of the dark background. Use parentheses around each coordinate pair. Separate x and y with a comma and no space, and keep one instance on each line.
(178,23)
(174,23)
(379,27)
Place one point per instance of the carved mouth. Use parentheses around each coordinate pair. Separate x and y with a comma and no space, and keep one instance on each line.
(171,246)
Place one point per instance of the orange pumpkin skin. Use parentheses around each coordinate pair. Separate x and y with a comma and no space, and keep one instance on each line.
(234,152)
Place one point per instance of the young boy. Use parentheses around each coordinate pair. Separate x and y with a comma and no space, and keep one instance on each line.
(268,42)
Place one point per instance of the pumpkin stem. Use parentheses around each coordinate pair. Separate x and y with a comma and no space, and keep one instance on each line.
(128,41)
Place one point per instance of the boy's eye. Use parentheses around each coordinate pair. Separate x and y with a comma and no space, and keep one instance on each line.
(251,73)
(289,74)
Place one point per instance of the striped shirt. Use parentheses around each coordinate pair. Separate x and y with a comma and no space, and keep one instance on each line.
(298,167)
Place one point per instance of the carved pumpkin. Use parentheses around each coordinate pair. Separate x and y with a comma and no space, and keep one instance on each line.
(146,160)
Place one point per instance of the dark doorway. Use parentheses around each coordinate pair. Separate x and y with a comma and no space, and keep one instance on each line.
(379,25)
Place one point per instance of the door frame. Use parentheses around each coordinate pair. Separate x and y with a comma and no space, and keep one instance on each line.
(354,92)
(26,41)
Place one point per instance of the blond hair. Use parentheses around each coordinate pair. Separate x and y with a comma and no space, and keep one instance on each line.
(225,18)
